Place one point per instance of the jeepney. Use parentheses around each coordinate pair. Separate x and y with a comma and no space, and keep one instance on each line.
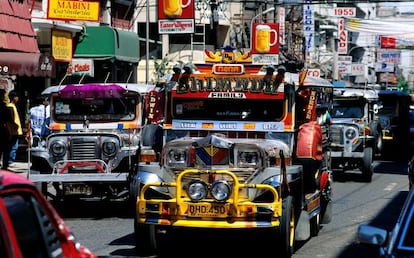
(95,136)
(355,136)
(229,160)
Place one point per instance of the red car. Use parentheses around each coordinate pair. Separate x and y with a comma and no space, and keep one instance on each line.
(30,226)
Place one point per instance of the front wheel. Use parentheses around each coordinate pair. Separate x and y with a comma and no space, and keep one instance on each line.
(145,239)
(367,165)
(287,228)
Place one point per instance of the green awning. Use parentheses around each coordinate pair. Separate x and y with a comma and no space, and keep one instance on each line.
(105,43)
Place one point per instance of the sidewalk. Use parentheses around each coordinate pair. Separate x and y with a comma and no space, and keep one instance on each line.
(20,167)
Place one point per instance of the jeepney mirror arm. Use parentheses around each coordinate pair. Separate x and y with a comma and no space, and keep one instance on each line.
(81,79)
(285,184)
(107,76)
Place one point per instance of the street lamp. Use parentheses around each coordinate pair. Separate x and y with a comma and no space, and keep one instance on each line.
(254,18)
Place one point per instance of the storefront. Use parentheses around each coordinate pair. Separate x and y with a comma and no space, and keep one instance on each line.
(105,54)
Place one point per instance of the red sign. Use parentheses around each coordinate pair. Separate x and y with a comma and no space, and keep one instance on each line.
(388,42)
(265,38)
(175,9)
(228,69)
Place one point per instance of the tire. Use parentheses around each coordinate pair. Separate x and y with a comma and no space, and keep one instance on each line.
(287,228)
(379,144)
(145,239)
(44,189)
(367,165)
(326,205)
(315,225)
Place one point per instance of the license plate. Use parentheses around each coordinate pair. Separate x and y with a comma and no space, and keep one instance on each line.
(207,210)
(78,189)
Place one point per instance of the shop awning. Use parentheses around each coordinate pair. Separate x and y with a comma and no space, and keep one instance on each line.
(106,43)
(27,64)
(16,31)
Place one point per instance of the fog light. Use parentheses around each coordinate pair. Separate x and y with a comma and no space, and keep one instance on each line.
(197,190)
(220,190)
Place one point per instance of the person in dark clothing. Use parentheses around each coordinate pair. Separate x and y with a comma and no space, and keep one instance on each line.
(6,118)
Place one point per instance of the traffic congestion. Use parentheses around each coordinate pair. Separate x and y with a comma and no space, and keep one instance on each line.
(170,128)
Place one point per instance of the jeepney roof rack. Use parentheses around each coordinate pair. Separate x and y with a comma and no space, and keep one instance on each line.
(366,92)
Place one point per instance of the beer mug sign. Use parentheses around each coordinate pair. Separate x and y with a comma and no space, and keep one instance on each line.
(263,38)
(174,8)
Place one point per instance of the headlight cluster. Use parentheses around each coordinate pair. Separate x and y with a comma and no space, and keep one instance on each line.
(177,157)
(109,148)
(350,133)
(220,190)
(57,148)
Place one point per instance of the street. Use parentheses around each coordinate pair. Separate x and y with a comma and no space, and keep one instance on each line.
(107,228)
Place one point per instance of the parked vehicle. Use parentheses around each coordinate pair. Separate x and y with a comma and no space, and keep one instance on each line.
(231,160)
(354,133)
(396,243)
(410,172)
(394,122)
(30,226)
(94,140)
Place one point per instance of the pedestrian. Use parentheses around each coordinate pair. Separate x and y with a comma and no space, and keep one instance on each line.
(39,119)
(14,98)
(6,122)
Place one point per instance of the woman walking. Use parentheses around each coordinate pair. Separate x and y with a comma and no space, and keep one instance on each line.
(6,121)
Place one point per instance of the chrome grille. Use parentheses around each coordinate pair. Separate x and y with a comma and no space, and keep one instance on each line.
(337,134)
(84,148)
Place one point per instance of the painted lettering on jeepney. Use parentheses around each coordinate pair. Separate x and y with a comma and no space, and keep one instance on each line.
(250,84)
(311,106)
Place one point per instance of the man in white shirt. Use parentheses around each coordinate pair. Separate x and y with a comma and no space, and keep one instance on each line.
(39,119)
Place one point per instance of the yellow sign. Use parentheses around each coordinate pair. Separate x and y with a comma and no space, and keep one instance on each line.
(62,45)
(73,10)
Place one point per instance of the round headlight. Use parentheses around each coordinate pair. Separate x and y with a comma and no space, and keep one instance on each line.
(57,148)
(350,133)
(109,148)
(197,190)
(220,190)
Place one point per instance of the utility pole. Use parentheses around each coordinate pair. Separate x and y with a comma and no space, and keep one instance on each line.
(214,21)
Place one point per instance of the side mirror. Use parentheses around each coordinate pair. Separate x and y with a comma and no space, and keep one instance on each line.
(376,108)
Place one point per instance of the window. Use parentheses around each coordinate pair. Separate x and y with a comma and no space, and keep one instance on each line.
(33,228)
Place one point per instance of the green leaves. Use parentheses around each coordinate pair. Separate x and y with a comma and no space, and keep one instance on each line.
(162,67)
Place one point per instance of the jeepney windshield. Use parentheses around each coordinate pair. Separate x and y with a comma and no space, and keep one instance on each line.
(95,109)
(345,108)
(228,109)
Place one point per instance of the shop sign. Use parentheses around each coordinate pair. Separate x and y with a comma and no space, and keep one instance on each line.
(176,26)
(308,27)
(81,67)
(391,56)
(357,69)
(62,45)
(343,37)
(384,67)
(342,12)
(73,10)
(265,59)
(175,9)
(314,72)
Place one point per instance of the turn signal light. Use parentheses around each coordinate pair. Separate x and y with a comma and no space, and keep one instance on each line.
(148,156)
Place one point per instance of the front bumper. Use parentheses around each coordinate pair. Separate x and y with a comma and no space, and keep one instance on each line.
(237,212)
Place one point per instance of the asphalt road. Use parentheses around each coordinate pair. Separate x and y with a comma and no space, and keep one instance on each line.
(107,228)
